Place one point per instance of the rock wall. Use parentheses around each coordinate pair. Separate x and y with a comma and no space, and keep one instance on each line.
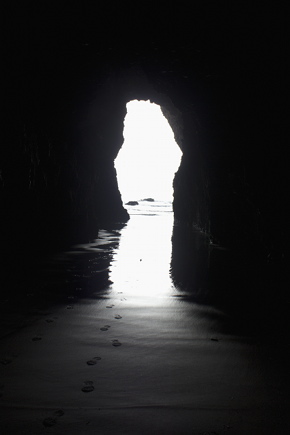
(217,73)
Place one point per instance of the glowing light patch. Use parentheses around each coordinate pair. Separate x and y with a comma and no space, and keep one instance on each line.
(149,157)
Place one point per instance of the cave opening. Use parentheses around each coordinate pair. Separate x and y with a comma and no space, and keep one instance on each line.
(149,157)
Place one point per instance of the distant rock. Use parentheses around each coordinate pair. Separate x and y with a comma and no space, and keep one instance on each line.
(148,199)
(132,203)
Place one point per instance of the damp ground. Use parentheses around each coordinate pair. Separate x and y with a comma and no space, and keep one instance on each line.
(112,345)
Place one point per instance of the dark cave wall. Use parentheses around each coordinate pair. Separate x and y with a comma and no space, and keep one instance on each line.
(58,187)
(217,74)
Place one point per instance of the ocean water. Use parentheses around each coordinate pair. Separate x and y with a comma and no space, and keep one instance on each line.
(150,208)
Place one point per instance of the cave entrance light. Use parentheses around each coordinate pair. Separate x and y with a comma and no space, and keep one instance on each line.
(149,157)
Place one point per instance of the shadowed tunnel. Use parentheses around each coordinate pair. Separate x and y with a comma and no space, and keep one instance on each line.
(219,84)
(218,75)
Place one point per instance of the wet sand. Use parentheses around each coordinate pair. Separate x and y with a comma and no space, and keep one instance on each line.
(136,358)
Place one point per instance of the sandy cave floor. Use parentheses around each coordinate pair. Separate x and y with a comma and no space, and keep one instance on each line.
(133,361)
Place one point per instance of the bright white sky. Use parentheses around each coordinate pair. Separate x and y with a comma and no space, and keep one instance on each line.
(149,157)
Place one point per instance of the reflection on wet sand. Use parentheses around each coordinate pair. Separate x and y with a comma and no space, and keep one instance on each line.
(141,263)
(190,263)
(234,282)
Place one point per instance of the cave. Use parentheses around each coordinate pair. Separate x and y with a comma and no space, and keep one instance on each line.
(218,74)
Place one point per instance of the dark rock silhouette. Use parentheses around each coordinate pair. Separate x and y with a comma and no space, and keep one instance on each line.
(132,203)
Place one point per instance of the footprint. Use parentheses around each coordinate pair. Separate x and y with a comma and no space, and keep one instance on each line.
(117,316)
(37,338)
(110,306)
(93,361)
(59,412)
(5,361)
(104,328)
(49,422)
(88,387)
(49,320)
(69,307)
(116,343)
